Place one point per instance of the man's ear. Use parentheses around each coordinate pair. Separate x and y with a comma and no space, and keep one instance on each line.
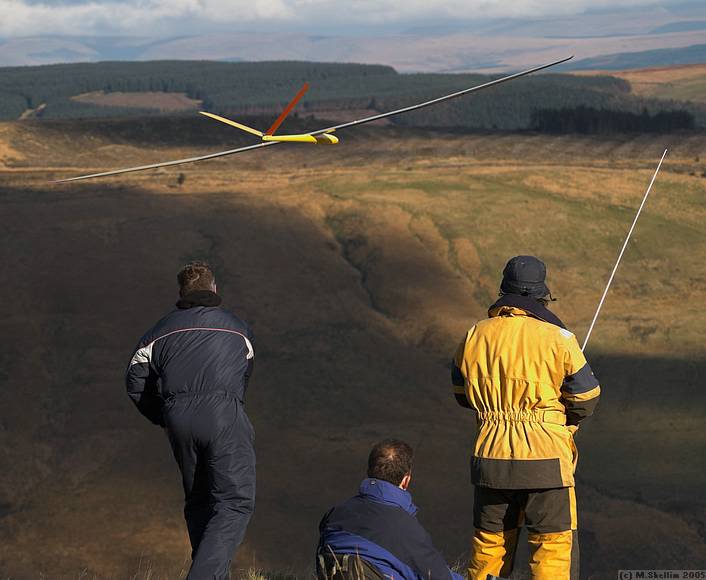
(406,480)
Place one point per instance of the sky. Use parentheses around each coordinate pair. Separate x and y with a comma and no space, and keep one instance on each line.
(186,17)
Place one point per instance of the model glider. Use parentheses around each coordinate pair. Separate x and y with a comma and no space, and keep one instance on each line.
(321,136)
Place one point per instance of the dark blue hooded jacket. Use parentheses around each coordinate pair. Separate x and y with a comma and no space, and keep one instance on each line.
(196,349)
(380,526)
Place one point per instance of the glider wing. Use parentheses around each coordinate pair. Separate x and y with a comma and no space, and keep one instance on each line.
(439,99)
(233,123)
(169,163)
(320,131)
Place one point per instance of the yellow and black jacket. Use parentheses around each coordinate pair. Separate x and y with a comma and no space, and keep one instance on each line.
(530,385)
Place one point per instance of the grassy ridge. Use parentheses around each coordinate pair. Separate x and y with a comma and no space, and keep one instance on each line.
(360,268)
(684,83)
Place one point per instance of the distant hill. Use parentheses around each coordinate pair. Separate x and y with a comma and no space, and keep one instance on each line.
(680,26)
(474,45)
(694,54)
(683,83)
(83,90)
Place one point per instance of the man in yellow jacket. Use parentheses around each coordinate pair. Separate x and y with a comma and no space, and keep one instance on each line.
(529,384)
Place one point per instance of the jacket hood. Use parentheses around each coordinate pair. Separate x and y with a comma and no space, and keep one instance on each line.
(387,493)
(530,305)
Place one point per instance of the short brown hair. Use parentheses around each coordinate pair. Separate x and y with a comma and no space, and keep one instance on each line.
(390,460)
(195,276)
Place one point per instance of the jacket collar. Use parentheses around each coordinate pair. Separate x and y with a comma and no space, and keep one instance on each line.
(530,305)
(387,493)
(199,298)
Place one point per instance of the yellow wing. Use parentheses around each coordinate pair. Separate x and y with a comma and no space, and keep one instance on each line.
(233,124)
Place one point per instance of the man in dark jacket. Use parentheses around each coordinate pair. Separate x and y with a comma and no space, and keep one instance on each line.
(189,374)
(379,527)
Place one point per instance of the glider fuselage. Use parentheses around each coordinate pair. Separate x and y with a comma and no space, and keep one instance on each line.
(325,139)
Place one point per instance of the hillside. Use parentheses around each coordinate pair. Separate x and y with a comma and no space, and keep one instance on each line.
(679,83)
(360,266)
(659,57)
(628,32)
(115,89)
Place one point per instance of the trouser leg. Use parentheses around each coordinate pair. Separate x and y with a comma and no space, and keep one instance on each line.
(231,470)
(497,515)
(554,556)
(197,506)
(492,553)
(552,534)
(194,479)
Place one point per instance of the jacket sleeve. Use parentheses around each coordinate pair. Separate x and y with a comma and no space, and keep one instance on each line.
(457,379)
(141,381)
(580,390)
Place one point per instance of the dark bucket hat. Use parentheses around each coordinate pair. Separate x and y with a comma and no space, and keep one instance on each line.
(525,275)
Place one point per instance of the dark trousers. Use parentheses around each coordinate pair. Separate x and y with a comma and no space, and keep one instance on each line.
(212,441)
(550,518)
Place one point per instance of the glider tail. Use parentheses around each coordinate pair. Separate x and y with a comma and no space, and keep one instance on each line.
(287,110)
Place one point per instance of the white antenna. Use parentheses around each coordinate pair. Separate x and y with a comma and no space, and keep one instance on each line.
(622,251)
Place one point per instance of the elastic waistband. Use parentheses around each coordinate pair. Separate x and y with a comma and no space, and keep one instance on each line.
(555,417)
(197,394)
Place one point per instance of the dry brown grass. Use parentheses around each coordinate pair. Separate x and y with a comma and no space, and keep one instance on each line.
(360,267)
(656,74)
(8,154)
(166,102)
(686,82)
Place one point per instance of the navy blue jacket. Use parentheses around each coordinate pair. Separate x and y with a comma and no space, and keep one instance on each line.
(194,349)
(380,526)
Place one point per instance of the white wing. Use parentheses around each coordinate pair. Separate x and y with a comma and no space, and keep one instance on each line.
(169,163)
(327,129)
(440,99)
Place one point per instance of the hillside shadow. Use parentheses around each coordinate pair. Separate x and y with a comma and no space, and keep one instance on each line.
(94,267)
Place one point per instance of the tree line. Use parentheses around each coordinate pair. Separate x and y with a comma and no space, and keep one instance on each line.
(587,120)
(264,87)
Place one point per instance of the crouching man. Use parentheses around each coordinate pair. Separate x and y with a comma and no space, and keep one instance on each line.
(375,534)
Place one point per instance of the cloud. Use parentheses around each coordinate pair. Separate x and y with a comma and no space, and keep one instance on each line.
(167,17)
